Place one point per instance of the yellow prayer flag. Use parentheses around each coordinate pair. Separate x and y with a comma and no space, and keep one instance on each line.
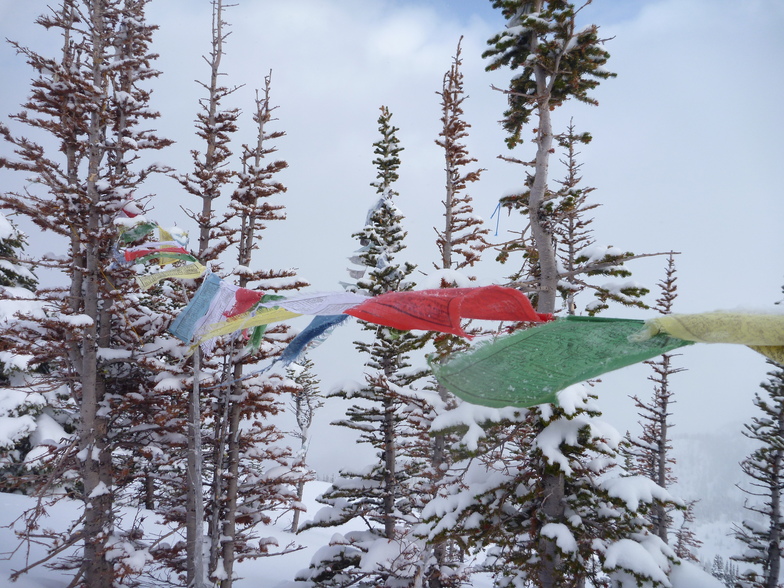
(189,271)
(164,235)
(246,320)
(764,333)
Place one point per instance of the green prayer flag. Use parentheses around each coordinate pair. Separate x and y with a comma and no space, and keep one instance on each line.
(530,366)
(137,232)
(165,255)
(258,332)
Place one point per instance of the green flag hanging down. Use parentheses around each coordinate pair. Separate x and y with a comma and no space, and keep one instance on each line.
(529,367)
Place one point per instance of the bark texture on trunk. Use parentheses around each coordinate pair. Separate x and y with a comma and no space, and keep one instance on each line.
(195,498)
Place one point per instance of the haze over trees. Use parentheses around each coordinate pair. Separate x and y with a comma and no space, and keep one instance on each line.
(103,406)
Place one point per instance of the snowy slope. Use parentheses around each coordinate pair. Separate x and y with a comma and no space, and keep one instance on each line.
(271,572)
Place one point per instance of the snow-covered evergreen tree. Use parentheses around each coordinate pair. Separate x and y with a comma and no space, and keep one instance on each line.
(651,453)
(558,62)
(460,241)
(761,536)
(17,282)
(305,401)
(23,413)
(584,265)
(601,532)
(92,103)
(463,237)
(14,273)
(215,125)
(379,494)
(247,445)
(542,492)
(210,180)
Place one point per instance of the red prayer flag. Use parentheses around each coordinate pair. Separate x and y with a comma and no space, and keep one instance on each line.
(441,310)
(244,300)
(142,251)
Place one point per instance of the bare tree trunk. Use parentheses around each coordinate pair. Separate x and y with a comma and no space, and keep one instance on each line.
(209,156)
(232,494)
(659,511)
(220,428)
(149,491)
(541,233)
(195,497)
(95,456)
(553,506)
(390,481)
(295,519)
(446,252)
(774,544)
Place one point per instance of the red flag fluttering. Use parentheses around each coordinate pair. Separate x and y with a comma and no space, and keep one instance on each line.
(441,310)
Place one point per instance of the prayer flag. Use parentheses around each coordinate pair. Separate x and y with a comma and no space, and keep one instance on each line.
(150,250)
(136,232)
(247,320)
(530,366)
(764,333)
(184,326)
(314,334)
(244,300)
(329,303)
(191,270)
(442,309)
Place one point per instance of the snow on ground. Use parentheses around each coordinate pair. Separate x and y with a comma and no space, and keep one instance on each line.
(268,572)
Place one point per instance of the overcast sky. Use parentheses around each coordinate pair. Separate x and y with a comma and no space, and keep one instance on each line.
(686,155)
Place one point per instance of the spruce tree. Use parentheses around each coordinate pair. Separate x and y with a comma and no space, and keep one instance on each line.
(505,482)
(246,442)
(463,237)
(558,62)
(14,273)
(460,241)
(305,401)
(92,103)
(762,539)
(23,409)
(378,494)
(651,453)
(685,541)
(585,265)
(541,488)
(16,282)
(209,180)
(212,174)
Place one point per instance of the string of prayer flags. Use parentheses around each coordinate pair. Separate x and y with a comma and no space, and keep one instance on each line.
(764,333)
(257,334)
(169,249)
(530,366)
(218,308)
(173,234)
(441,310)
(244,300)
(225,309)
